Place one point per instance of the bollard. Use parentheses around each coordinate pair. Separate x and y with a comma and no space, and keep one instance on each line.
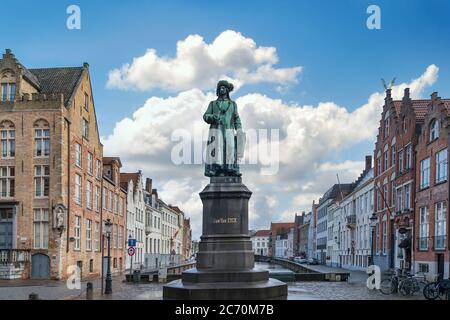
(33,296)
(89,291)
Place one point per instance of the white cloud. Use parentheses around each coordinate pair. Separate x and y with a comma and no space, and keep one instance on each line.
(198,64)
(308,136)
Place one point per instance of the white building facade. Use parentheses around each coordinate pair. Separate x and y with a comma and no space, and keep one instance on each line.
(132,182)
(260,242)
(354,224)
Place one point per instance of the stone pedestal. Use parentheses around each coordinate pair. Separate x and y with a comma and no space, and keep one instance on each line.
(225,261)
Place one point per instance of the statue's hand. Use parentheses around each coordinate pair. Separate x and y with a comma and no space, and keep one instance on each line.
(216,119)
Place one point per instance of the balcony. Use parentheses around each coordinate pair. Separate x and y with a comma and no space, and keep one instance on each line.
(439,242)
(351,221)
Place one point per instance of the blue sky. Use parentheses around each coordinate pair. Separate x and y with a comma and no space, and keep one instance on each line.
(342,60)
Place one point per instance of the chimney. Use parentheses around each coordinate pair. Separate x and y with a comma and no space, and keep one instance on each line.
(406,94)
(148,185)
(434,96)
(368,162)
(388,93)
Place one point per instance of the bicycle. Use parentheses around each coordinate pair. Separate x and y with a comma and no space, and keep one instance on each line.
(391,285)
(435,290)
(411,284)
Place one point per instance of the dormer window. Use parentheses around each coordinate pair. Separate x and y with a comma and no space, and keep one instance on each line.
(434,129)
(8,87)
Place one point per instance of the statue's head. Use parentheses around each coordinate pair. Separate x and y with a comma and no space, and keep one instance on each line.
(224,88)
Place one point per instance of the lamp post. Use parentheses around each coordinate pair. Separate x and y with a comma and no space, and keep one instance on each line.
(373,222)
(108,281)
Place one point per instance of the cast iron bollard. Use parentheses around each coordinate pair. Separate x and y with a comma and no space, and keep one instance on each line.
(89,291)
(33,296)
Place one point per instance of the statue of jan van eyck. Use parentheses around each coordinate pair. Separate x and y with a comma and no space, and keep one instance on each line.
(226,140)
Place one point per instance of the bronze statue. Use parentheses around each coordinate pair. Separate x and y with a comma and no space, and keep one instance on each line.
(226,138)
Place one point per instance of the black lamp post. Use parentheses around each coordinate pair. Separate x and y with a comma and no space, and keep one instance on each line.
(108,281)
(373,222)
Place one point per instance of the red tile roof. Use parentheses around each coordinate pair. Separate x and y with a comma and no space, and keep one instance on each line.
(262,233)
(279,226)
(126,177)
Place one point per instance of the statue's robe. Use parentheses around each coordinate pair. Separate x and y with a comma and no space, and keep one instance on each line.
(221,147)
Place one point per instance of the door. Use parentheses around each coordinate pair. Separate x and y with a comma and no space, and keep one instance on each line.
(6,228)
(40,266)
(440,265)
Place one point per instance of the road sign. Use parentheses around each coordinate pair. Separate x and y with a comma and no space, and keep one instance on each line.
(131,251)
(132,242)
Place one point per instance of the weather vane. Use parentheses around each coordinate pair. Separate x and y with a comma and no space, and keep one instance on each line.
(390,84)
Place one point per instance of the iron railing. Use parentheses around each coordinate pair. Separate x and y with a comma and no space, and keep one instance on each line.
(14,256)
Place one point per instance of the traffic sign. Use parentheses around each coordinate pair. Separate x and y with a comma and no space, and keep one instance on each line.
(132,242)
(131,251)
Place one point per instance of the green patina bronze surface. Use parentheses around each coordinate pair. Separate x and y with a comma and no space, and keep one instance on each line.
(223,117)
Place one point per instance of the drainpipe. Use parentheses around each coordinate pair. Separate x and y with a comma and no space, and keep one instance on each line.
(68,185)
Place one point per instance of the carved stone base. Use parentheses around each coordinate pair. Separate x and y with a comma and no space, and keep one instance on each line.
(225,261)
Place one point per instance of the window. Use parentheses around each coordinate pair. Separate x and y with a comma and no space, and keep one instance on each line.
(425,173)
(385,195)
(89,195)
(408,196)
(378,166)
(371,199)
(78,154)
(86,102)
(8,92)
(424,267)
(386,128)
(97,236)
(88,234)
(408,156)
(41,181)
(377,242)
(42,142)
(85,126)
(384,236)
(97,198)
(91,265)
(105,195)
(434,130)
(40,228)
(423,228)
(8,143)
(78,188)
(110,199)
(400,161)
(120,206)
(90,163)
(121,237)
(440,213)
(393,155)
(399,199)
(115,203)
(7,182)
(386,161)
(116,237)
(77,234)
(392,193)
(441,166)
(98,171)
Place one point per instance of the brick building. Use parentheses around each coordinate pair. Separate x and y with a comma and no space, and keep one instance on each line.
(51,152)
(114,205)
(187,239)
(432,190)
(278,231)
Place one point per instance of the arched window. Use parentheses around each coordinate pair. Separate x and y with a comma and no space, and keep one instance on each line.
(434,129)
(41,138)
(8,86)
(8,139)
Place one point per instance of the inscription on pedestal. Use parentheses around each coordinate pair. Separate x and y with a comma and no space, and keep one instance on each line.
(224,220)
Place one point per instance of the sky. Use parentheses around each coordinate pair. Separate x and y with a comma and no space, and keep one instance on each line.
(310,69)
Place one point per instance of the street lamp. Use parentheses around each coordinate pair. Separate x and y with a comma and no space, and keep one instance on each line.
(373,222)
(108,281)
